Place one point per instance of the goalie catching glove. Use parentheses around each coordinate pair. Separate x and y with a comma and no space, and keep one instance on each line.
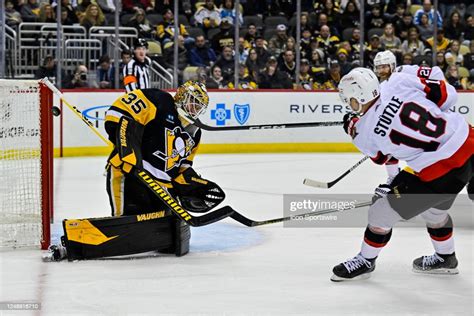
(195,193)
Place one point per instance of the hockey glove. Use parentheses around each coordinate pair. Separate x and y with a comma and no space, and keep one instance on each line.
(350,119)
(381,191)
(195,193)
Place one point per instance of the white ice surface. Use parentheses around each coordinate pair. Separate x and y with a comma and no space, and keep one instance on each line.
(235,270)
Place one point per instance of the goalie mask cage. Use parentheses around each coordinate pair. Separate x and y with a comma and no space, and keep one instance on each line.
(26,164)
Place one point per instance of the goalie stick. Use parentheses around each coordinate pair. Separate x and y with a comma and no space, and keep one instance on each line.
(327,185)
(205,127)
(251,223)
(148,180)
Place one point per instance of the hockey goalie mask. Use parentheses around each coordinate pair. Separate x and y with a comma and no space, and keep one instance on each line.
(360,84)
(191,99)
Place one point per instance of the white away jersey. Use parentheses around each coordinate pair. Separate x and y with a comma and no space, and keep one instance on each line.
(425,72)
(411,122)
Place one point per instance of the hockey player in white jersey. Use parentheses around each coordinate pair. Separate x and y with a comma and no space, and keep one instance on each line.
(408,118)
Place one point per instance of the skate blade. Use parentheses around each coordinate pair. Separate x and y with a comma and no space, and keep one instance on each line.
(437,271)
(364,276)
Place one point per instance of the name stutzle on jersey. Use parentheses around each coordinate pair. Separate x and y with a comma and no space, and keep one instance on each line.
(411,121)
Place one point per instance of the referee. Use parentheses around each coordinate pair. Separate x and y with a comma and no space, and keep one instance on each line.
(136,73)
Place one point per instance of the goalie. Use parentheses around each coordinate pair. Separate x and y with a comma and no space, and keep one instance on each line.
(154,131)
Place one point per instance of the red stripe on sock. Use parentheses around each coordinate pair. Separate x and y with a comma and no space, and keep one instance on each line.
(374,244)
(442,238)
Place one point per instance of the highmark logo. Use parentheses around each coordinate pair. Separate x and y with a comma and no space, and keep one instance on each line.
(220,114)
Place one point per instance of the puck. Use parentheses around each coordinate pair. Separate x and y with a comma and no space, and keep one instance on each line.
(56,111)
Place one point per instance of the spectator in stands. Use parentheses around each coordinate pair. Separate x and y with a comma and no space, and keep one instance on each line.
(428,9)
(407,59)
(398,14)
(216,80)
(454,26)
(372,50)
(226,62)
(442,42)
(426,30)
(105,73)
(12,17)
(413,44)
(47,69)
(305,23)
(243,50)
(201,55)
(225,37)
(305,79)
(81,9)
(390,41)
(272,78)
(47,15)
(323,20)
(132,6)
(251,35)
(317,58)
(93,17)
(343,4)
(452,77)
(252,64)
(71,12)
(125,57)
(350,54)
(288,65)
(441,61)
(165,30)
(354,41)
(141,24)
(469,29)
(468,83)
(327,42)
(168,54)
(79,79)
(305,42)
(403,25)
(30,11)
(452,56)
(65,20)
(333,76)
(208,16)
(375,18)
(246,82)
(262,53)
(290,45)
(342,58)
(228,11)
(351,16)
(332,12)
(469,58)
(278,41)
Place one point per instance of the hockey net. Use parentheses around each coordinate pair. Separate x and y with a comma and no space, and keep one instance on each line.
(25,164)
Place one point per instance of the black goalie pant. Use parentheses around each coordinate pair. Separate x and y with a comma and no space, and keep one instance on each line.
(411,196)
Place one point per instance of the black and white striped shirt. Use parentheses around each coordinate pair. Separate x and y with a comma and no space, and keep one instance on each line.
(136,75)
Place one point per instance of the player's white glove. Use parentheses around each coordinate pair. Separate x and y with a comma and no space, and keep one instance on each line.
(381,191)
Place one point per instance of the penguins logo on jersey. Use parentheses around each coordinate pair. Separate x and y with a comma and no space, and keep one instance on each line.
(178,146)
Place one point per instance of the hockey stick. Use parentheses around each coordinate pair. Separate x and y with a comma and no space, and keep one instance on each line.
(74,109)
(327,185)
(205,127)
(148,180)
(251,223)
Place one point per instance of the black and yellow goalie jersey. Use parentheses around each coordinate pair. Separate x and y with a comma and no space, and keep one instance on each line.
(166,145)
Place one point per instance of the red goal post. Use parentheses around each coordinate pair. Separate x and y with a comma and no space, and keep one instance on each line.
(26,164)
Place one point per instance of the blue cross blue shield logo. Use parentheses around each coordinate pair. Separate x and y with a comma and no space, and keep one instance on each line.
(220,114)
(241,113)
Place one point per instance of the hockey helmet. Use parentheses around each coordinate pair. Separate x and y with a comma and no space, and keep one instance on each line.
(191,99)
(385,58)
(360,84)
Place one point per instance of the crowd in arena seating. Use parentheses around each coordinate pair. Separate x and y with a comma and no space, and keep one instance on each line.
(329,46)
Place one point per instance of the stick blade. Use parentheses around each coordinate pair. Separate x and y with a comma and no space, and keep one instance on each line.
(316,184)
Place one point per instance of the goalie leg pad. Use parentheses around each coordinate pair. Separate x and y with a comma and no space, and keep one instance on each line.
(115,236)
